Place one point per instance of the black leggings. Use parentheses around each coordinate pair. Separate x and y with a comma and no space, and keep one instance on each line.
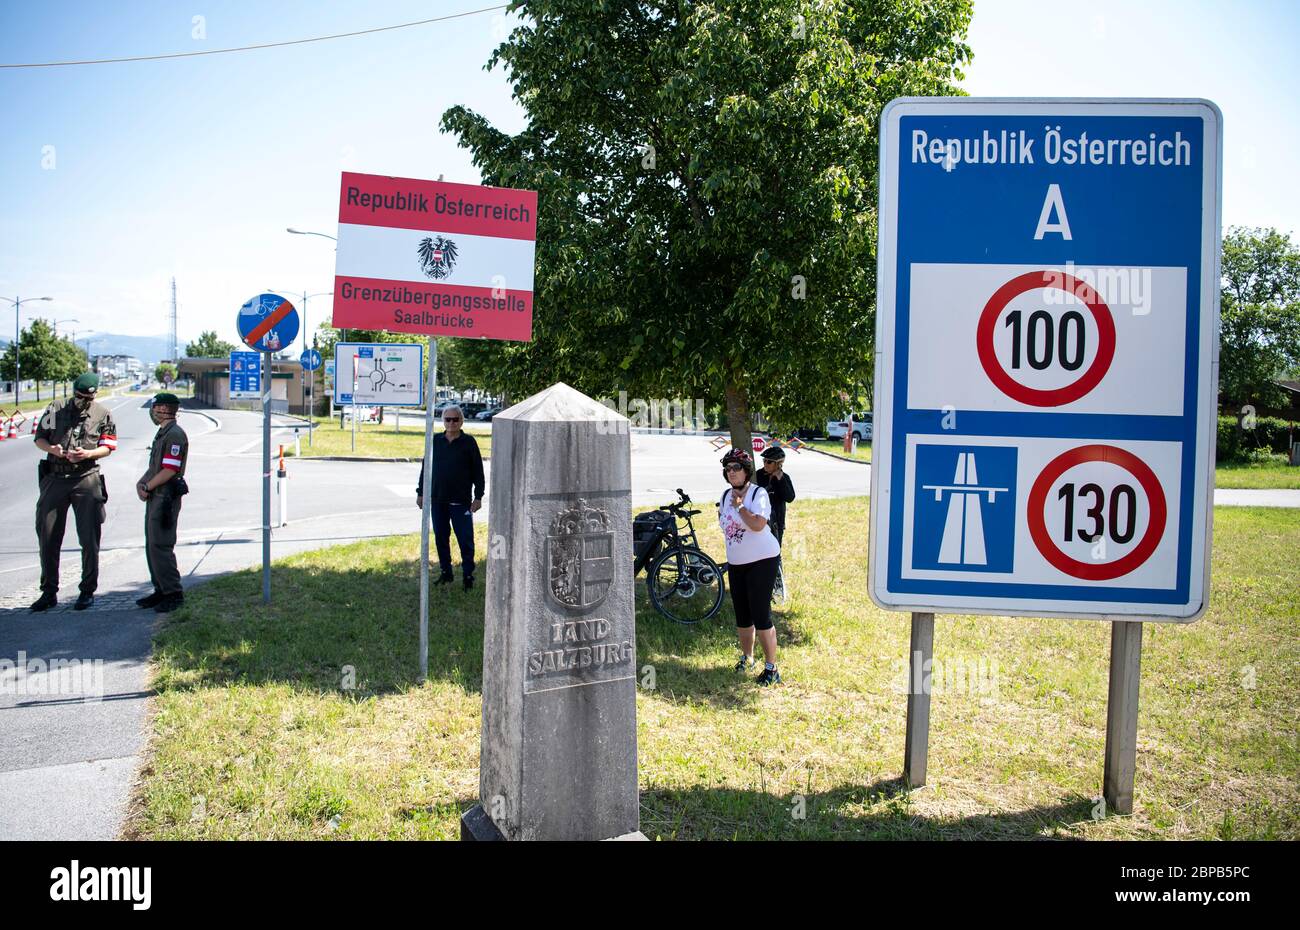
(751,592)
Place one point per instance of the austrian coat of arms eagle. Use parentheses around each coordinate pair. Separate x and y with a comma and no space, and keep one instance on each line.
(437,256)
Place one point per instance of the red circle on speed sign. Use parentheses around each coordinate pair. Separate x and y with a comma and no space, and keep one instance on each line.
(1036,280)
(1096,571)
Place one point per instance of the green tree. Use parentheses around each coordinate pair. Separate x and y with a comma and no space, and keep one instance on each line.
(40,356)
(73,361)
(707,191)
(164,372)
(209,346)
(1259,307)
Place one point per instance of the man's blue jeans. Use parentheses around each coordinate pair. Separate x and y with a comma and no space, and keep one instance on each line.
(448,517)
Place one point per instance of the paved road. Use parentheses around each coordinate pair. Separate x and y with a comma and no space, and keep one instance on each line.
(66,764)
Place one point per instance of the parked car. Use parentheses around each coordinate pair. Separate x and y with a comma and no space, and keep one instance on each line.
(835,429)
(488,414)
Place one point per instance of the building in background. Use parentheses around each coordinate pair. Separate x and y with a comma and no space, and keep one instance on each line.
(115,368)
(211,378)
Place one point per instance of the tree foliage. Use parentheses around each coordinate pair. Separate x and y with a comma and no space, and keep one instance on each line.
(43,356)
(707,191)
(1259,309)
(208,345)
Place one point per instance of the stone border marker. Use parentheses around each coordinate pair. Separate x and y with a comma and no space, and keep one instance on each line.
(558,754)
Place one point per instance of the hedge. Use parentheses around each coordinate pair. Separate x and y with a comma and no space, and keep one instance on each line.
(1267,433)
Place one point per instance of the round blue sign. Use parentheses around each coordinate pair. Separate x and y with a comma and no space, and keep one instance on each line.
(268,323)
(310,359)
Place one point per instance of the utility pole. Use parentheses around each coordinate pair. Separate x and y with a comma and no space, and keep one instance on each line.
(173,328)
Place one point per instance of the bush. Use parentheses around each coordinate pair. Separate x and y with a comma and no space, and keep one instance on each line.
(1268,435)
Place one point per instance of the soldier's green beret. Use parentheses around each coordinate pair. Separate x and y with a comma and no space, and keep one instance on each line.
(167,398)
(87,382)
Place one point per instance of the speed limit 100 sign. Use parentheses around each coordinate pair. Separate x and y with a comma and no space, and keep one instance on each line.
(1047,357)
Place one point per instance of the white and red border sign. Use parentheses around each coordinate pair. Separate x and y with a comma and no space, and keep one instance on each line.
(1046,357)
(435,258)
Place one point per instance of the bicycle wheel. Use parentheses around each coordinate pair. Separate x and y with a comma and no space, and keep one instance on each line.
(685,585)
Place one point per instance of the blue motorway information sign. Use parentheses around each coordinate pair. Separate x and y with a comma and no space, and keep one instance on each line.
(1046,362)
(245,374)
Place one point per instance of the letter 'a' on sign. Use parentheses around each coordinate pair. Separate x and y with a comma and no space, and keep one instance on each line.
(435,258)
(1046,366)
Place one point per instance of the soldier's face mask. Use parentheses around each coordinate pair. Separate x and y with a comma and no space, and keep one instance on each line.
(159,414)
(83,399)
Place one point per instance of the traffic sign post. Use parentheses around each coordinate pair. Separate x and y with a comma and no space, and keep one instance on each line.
(434,258)
(1046,373)
(267,323)
(310,360)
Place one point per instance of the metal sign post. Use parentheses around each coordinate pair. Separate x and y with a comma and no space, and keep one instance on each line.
(1122,715)
(920,667)
(426,494)
(486,249)
(267,323)
(266,477)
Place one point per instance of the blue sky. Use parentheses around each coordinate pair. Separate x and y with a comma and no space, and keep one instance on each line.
(194,167)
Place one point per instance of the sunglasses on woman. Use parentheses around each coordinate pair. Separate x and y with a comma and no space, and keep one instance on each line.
(734,467)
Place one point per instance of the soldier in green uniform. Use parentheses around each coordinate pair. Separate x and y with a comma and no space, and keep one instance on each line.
(161,489)
(74,435)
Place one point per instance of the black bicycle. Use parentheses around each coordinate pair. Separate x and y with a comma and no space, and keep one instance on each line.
(685,585)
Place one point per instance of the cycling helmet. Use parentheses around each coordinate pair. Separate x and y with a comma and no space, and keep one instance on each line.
(773,454)
(741,457)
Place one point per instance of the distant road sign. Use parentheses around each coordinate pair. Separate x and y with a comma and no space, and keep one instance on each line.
(245,374)
(1047,365)
(268,323)
(758,443)
(310,359)
(388,374)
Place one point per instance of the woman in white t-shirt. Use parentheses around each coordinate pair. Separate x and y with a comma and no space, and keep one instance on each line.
(752,558)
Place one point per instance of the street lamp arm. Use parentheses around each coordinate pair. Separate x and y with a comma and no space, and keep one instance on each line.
(306,232)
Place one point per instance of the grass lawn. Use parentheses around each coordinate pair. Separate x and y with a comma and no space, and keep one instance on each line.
(1272,475)
(255,735)
(380,441)
(836,446)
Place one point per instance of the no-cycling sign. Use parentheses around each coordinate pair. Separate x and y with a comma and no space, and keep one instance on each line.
(1047,357)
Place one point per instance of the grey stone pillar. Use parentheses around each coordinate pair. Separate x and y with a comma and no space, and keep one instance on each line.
(558,756)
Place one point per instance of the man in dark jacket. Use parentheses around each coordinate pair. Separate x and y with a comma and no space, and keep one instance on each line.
(777,484)
(457,494)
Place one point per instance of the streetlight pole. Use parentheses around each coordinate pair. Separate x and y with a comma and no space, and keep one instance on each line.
(18,302)
(311,414)
(311,421)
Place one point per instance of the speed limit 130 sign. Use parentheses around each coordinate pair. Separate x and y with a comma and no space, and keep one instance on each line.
(1047,357)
